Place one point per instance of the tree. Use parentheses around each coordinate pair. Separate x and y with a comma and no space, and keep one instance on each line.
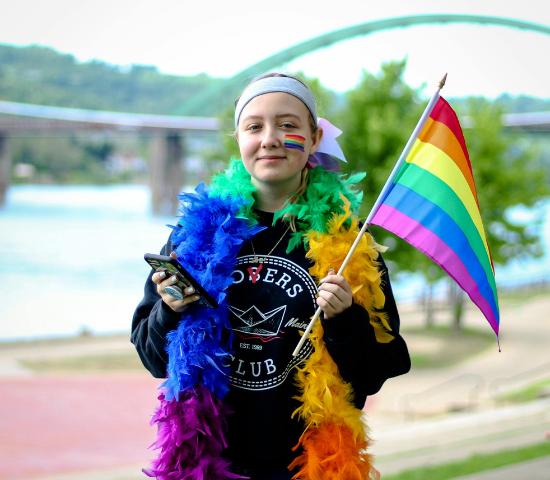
(377,120)
(507,174)
(379,117)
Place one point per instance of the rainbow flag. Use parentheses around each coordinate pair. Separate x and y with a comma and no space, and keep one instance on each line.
(432,204)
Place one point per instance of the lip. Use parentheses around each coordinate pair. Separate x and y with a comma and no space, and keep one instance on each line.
(271,157)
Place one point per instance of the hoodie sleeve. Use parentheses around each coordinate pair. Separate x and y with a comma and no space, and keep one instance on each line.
(152,321)
(361,359)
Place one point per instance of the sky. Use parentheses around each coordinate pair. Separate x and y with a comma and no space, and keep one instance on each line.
(222,38)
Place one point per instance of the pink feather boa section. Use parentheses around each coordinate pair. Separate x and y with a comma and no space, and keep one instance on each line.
(190,437)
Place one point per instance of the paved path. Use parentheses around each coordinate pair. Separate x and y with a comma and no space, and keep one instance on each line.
(412,418)
(525,336)
(58,424)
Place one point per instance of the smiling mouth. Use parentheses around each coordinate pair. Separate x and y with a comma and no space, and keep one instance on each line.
(271,157)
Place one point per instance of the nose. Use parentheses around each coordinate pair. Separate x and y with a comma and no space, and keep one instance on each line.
(270,138)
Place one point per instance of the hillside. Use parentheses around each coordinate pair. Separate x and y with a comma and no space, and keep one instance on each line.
(43,76)
(40,75)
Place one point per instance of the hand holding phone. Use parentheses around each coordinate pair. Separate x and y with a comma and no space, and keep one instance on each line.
(168,268)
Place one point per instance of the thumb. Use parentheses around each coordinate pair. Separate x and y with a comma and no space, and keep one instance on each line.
(174,255)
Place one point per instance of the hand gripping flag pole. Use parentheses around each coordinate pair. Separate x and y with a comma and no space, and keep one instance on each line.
(378,203)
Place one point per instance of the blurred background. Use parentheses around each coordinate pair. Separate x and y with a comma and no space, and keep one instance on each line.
(108,110)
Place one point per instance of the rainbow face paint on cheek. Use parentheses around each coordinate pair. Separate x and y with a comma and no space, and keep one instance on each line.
(296,142)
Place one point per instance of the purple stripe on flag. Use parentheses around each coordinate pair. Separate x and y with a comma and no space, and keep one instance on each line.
(436,249)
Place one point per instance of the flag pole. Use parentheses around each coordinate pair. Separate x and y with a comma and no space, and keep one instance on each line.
(406,151)
(381,198)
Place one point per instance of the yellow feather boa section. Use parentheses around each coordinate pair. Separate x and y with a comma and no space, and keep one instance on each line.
(336,437)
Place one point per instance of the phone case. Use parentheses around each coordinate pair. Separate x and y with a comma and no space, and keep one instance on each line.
(185,279)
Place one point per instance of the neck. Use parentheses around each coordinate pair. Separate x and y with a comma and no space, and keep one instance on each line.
(272,197)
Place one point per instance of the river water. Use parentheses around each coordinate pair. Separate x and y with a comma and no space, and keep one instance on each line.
(72,258)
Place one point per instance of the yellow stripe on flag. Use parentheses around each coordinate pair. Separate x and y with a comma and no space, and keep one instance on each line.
(441,136)
(438,163)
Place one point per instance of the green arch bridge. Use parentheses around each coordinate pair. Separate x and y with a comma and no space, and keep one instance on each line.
(233,86)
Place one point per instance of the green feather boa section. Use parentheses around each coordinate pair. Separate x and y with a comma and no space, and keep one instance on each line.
(311,211)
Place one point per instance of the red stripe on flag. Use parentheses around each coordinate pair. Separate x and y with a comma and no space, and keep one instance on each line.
(442,112)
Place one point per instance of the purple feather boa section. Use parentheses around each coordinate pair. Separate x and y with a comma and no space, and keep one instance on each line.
(208,236)
(190,438)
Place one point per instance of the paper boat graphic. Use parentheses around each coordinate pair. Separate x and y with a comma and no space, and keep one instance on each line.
(258,323)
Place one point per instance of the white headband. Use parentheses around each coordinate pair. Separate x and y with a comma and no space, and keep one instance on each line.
(276,84)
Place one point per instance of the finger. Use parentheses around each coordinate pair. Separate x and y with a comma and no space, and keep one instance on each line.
(174,255)
(337,280)
(178,305)
(186,291)
(327,308)
(339,302)
(159,277)
(330,272)
(186,296)
(330,298)
(165,281)
(334,289)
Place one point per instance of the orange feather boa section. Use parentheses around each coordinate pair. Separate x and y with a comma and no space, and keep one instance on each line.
(336,437)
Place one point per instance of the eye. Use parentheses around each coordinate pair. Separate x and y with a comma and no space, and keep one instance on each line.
(253,127)
(288,125)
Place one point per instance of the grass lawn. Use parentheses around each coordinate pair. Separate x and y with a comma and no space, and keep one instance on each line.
(122,361)
(527,394)
(476,463)
(454,347)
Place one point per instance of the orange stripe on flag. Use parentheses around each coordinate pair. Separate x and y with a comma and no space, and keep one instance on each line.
(440,136)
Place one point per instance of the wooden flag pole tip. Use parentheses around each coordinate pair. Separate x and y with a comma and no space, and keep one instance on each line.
(442,83)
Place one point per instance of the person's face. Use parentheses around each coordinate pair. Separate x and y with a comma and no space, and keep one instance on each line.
(263,124)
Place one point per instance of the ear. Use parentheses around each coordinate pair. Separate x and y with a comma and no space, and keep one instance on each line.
(316,140)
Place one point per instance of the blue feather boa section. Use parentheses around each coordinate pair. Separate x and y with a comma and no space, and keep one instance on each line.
(208,238)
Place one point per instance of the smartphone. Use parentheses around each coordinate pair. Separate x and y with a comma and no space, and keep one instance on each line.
(171,266)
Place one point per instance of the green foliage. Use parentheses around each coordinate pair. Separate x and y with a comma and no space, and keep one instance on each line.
(64,160)
(507,102)
(42,76)
(56,159)
(327,100)
(377,120)
(229,144)
(506,175)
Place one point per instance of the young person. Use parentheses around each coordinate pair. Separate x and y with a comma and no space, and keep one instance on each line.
(297,222)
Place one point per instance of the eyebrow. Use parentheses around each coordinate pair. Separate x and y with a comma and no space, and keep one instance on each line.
(280,115)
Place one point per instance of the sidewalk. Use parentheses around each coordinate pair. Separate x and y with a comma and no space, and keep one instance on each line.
(423,418)
(525,340)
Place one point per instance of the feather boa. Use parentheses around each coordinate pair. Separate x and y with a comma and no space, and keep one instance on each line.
(215,222)
(336,438)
